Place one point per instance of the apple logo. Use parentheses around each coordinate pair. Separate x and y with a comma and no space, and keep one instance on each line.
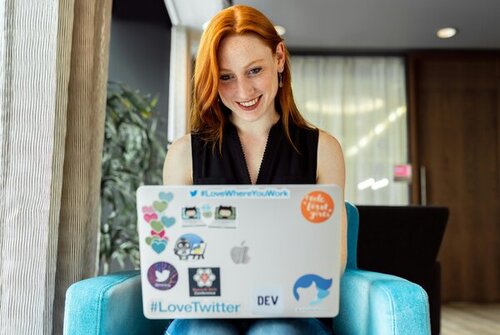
(239,254)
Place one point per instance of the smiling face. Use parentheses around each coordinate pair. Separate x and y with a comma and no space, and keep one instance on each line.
(248,79)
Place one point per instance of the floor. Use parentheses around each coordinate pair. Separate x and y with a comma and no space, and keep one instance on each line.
(470,319)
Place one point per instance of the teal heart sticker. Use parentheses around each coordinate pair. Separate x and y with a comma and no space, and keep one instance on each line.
(166,196)
(159,245)
(168,221)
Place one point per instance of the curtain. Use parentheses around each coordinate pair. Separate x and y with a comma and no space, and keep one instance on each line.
(53,73)
(183,47)
(362,102)
(178,85)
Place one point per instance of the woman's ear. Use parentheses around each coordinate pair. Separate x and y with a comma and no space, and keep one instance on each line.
(280,56)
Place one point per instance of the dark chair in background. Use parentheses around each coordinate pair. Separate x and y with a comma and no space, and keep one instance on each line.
(404,241)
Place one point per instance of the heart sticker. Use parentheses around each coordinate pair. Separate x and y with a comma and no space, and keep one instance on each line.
(166,196)
(149,217)
(157,226)
(148,210)
(159,245)
(160,206)
(168,221)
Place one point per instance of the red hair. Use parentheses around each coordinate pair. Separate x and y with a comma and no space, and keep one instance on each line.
(208,114)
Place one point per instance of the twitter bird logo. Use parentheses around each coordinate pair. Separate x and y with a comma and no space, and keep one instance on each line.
(162,276)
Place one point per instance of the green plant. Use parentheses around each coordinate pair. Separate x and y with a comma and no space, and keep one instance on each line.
(132,156)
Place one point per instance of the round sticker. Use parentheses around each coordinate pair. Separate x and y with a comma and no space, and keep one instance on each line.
(162,276)
(317,207)
(190,247)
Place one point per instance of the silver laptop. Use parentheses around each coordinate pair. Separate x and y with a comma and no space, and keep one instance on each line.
(239,251)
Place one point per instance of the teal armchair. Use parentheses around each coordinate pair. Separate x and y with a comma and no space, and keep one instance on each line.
(370,303)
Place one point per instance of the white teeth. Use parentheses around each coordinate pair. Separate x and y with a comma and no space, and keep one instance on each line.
(249,103)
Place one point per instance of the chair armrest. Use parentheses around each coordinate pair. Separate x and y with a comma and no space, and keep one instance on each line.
(110,305)
(375,303)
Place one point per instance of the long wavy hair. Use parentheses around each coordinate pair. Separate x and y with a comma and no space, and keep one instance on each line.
(208,114)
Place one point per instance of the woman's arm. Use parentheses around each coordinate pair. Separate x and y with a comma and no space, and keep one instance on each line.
(177,169)
(331,170)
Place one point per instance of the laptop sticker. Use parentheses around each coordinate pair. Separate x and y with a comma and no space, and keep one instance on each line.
(148,217)
(267,300)
(225,217)
(166,196)
(317,207)
(313,289)
(168,221)
(158,244)
(166,308)
(190,213)
(207,213)
(160,206)
(190,247)
(191,217)
(158,239)
(239,254)
(158,222)
(204,282)
(162,276)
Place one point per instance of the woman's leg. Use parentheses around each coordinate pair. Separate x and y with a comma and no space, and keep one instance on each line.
(288,327)
(204,327)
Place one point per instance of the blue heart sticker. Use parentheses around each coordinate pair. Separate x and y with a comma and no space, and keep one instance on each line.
(168,221)
(159,245)
(166,196)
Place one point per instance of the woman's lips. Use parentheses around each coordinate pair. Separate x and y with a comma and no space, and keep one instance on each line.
(249,104)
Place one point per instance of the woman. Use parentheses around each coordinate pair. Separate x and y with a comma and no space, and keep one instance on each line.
(246,129)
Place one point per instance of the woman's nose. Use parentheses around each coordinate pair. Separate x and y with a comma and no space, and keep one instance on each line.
(245,88)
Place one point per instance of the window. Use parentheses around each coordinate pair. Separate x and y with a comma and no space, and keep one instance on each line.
(362,102)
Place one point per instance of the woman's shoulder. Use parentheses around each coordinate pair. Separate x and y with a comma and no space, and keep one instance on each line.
(331,167)
(182,145)
(328,142)
(177,167)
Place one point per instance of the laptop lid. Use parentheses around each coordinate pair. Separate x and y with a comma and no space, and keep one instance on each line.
(239,251)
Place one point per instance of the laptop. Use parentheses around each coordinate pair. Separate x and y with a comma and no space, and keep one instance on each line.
(239,251)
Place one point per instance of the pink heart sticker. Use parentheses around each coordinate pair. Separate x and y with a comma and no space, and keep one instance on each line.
(150,217)
(148,210)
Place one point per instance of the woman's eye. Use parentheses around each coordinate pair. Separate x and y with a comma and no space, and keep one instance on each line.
(255,70)
(225,77)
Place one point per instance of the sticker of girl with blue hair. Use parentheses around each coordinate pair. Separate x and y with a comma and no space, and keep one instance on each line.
(322,287)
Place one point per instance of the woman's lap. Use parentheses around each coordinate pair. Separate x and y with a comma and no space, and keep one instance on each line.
(245,326)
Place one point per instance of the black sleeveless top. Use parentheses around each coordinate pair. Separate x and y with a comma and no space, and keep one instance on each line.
(281,163)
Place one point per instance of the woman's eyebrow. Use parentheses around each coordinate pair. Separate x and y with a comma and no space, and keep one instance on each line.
(246,66)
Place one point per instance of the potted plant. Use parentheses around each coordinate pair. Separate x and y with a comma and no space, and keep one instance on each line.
(132,156)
